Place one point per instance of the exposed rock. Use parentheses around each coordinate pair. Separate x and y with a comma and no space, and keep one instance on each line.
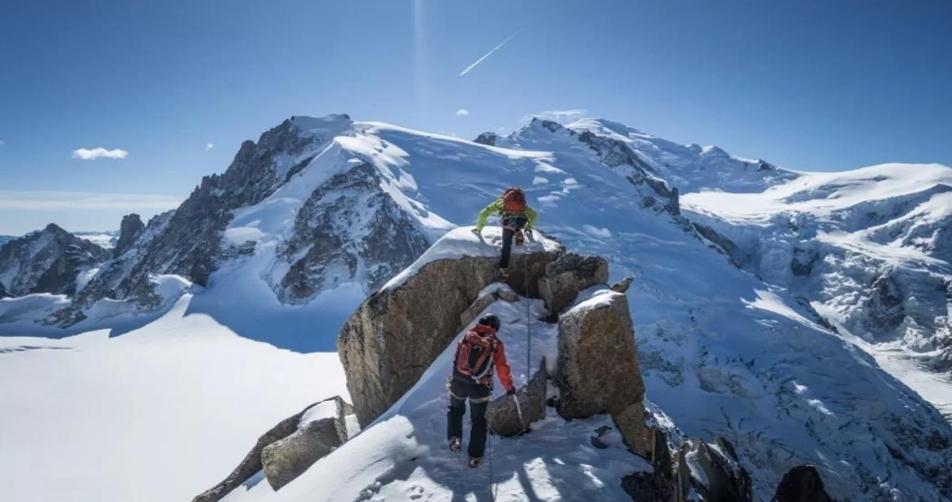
(251,464)
(47,261)
(503,416)
(622,285)
(487,138)
(129,230)
(647,487)
(567,276)
(801,484)
(598,369)
(885,304)
(348,223)
(503,292)
(712,472)
(394,335)
(803,261)
(321,430)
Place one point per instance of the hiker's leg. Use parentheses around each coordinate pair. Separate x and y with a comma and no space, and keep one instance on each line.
(454,418)
(507,234)
(477,436)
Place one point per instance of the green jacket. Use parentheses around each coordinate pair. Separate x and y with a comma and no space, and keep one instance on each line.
(495,207)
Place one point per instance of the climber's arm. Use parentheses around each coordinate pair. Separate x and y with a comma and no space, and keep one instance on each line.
(493,207)
(502,367)
(531,215)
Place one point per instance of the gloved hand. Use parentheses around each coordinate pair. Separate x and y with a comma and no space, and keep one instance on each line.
(511,392)
(528,232)
(478,232)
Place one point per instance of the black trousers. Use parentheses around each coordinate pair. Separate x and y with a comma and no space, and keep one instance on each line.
(509,226)
(478,396)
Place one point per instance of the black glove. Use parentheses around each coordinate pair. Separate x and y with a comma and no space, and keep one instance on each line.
(511,392)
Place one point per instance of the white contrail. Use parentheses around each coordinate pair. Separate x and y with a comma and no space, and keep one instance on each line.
(494,49)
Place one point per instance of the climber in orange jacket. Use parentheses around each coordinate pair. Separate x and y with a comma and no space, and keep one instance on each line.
(478,353)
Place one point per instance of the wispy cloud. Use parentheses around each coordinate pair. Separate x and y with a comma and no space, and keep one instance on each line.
(2,142)
(209,146)
(99,153)
(55,200)
(490,53)
(462,112)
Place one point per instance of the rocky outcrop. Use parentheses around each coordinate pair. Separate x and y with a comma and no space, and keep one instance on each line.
(129,230)
(801,484)
(569,275)
(291,455)
(348,223)
(487,138)
(884,304)
(47,261)
(710,473)
(394,335)
(251,464)
(598,369)
(506,419)
(320,431)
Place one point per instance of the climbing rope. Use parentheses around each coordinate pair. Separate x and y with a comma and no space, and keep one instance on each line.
(528,315)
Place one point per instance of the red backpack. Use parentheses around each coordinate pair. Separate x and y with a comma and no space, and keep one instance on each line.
(513,200)
(474,355)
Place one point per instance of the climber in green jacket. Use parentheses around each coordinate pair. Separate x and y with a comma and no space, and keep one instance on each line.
(516,216)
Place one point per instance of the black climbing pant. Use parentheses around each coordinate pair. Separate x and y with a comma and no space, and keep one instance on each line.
(510,224)
(478,396)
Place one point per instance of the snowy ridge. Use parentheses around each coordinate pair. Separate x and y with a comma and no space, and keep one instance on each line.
(302,227)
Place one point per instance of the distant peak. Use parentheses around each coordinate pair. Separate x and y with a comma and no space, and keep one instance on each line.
(330,121)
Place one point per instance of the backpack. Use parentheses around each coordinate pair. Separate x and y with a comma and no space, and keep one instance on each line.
(474,355)
(514,200)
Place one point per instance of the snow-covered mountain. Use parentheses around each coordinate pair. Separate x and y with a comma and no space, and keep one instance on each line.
(51,260)
(742,271)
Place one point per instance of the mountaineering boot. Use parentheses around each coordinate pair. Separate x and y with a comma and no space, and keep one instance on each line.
(520,238)
(475,461)
(503,274)
(454,445)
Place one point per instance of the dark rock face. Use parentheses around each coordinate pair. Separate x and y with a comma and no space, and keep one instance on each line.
(885,304)
(129,230)
(801,484)
(711,471)
(287,458)
(567,276)
(803,261)
(394,335)
(504,417)
(487,138)
(337,230)
(647,487)
(598,370)
(188,241)
(46,261)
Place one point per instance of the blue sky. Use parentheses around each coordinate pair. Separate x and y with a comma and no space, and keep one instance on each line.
(808,85)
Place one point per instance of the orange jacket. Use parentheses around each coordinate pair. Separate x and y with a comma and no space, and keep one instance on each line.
(500,364)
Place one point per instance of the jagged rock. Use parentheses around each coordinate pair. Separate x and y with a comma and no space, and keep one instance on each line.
(567,276)
(486,138)
(47,261)
(394,335)
(597,368)
(622,285)
(801,484)
(712,472)
(129,230)
(885,304)
(350,208)
(504,418)
(251,464)
(647,487)
(803,261)
(320,431)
